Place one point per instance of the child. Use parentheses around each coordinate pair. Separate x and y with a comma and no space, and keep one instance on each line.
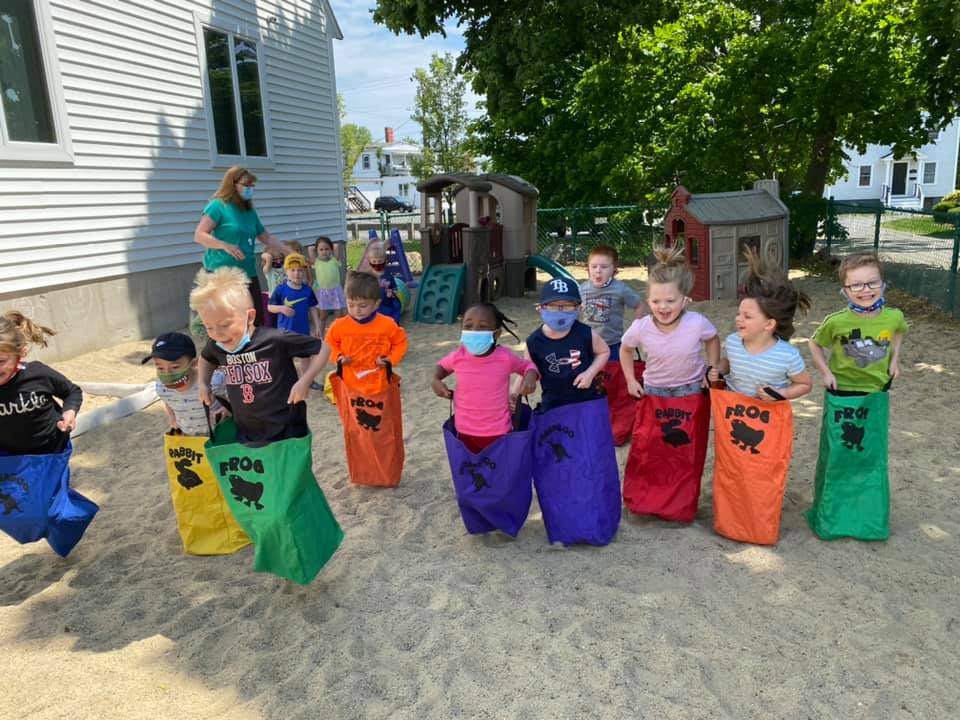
(568,354)
(175,359)
(330,297)
(365,340)
(389,301)
(266,397)
(605,298)
(272,271)
(671,336)
(864,338)
(294,301)
(759,357)
(483,369)
(31,421)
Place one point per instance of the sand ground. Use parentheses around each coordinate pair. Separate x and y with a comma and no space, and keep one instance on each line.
(413,618)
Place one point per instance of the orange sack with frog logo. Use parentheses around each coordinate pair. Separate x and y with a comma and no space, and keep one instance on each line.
(372,429)
(753,440)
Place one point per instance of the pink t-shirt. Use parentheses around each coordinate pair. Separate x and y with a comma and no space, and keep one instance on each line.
(481,399)
(673,358)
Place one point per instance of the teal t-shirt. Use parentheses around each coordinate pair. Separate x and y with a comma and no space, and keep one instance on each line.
(860,347)
(237,226)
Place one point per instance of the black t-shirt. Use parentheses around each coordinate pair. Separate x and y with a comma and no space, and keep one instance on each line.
(560,361)
(258,380)
(29,414)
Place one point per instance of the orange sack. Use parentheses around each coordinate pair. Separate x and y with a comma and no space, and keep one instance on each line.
(372,430)
(753,440)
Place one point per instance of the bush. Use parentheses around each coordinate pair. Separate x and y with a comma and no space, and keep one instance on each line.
(942,206)
(954,212)
(952,197)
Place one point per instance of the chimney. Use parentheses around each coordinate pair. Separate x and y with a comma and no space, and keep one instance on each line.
(388,134)
(771,185)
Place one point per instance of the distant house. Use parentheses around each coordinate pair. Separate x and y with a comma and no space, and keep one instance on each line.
(384,168)
(916,180)
(118,122)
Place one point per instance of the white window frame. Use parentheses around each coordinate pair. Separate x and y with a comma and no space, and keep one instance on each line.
(60,152)
(233,28)
(860,182)
(923,170)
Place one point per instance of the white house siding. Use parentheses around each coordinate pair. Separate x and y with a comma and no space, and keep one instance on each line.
(943,152)
(143,169)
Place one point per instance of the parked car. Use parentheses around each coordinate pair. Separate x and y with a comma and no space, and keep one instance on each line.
(389,203)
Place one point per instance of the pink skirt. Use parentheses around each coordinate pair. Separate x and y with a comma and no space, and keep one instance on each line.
(330,298)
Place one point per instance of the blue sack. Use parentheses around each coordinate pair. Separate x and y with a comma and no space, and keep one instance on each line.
(575,473)
(494,487)
(37,500)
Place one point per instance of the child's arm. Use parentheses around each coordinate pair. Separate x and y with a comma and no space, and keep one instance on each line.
(171,416)
(315,314)
(438,385)
(712,346)
(601,353)
(799,386)
(721,368)
(276,306)
(820,360)
(301,388)
(895,356)
(205,370)
(634,387)
(398,347)
(266,262)
(71,395)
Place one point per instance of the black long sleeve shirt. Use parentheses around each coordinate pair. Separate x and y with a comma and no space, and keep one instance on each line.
(29,414)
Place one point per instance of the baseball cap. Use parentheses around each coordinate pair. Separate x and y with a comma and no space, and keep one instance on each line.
(294,261)
(171,346)
(559,289)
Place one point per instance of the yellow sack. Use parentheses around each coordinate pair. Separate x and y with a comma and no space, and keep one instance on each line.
(204,519)
(328,388)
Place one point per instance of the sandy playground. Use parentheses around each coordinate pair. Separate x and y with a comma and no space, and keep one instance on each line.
(413,618)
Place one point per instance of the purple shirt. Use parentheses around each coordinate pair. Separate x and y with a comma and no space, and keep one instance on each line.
(673,358)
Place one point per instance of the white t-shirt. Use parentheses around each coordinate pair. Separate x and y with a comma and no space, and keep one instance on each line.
(186,405)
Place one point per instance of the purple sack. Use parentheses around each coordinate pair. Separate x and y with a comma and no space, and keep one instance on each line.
(494,488)
(575,473)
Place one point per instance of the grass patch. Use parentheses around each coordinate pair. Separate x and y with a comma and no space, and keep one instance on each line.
(355,253)
(922,226)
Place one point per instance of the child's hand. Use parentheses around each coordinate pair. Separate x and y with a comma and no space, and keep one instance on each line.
(68,423)
(299,392)
(584,380)
(894,369)
(206,397)
(317,334)
(529,384)
(441,389)
(382,361)
(829,381)
(343,360)
(634,388)
(287,310)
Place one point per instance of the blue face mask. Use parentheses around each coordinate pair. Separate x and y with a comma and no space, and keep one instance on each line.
(558,320)
(244,341)
(247,193)
(477,342)
(879,303)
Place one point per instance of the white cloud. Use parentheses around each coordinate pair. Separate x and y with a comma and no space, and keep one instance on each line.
(375,69)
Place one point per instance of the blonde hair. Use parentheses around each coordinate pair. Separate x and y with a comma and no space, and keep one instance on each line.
(227,192)
(377,249)
(671,267)
(852,262)
(225,288)
(768,284)
(18,332)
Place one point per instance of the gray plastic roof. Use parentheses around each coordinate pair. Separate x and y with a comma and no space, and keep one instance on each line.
(734,208)
(477,183)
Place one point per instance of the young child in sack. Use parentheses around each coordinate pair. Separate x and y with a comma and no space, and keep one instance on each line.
(483,369)
(266,396)
(175,358)
(38,405)
(605,299)
(567,353)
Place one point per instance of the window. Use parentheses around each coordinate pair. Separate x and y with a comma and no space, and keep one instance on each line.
(366,162)
(386,159)
(752,241)
(235,97)
(33,124)
(694,251)
(866,176)
(404,189)
(929,173)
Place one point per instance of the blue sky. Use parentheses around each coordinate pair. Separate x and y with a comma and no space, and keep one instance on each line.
(375,67)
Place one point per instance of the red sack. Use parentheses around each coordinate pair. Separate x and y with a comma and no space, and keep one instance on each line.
(372,431)
(621,405)
(666,459)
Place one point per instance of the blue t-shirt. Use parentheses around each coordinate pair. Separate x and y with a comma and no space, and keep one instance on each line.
(771,368)
(301,300)
(559,362)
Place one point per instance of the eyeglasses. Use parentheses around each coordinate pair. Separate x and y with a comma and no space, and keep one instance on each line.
(247,184)
(859,287)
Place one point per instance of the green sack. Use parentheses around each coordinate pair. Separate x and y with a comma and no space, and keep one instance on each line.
(275,498)
(852,491)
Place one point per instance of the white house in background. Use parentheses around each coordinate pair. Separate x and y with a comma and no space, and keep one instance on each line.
(118,121)
(916,180)
(384,168)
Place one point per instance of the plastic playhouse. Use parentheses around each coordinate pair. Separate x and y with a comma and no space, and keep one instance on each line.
(488,251)
(714,229)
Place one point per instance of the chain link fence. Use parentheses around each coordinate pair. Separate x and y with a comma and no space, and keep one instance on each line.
(918,248)
(567,234)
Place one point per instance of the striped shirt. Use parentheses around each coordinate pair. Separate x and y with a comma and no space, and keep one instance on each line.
(771,368)
(186,405)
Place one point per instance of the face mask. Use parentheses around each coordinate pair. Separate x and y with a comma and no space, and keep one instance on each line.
(247,193)
(859,308)
(558,320)
(244,341)
(174,380)
(477,342)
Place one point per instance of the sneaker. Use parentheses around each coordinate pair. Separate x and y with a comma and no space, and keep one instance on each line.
(316,386)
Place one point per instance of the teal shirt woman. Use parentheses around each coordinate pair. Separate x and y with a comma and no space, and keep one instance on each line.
(230,227)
